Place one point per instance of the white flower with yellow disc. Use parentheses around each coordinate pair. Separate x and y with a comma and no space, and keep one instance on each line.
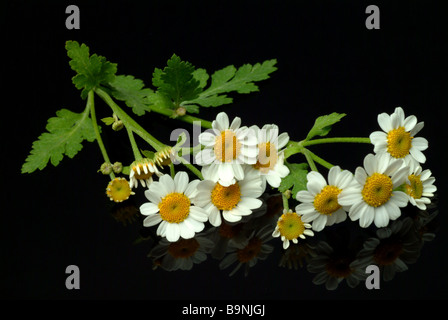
(420,187)
(270,159)
(373,197)
(171,206)
(398,139)
(227,148)
(234,201)
(290,227)
(320,201)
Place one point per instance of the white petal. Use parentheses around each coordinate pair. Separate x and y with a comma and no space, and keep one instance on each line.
(319,223)
(185,231)
(360,175)
(384,122)
(230,217)
(283,140)
(333,175)
(225,172)
(238,171)
(236,123)
(166,184)
(181,181)
(350,196)
(192,188)
(274,180)
(381,218)
(367,216)
(222,121)
(205,157)
(149,208)
(409,123)
(250,203)
(207,139)
(419,126)
(304,196)
(418,155)
(399,198)
(172,232)
(370,164)
(152,220)
(378,137)
(198,213)
(420,143)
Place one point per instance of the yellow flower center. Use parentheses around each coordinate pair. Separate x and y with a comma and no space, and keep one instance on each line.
(118,190)
(399,142)
(227,147)
(326,202)
(226,198)
(415,189)
(290,225)
(267,157)
(377,189)
(250,251)
(175,207)
(184,248)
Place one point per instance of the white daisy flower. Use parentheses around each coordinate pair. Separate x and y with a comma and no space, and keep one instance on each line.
(227,148)
(320,201)
(270,160)
(234,201)
(142,170)
(398,139)
(373,197)
(171,206)
(289,227)
(420,187)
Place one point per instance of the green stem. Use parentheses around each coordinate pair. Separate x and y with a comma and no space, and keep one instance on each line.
(319,160)
(309,159)
(285,202)
(187,118)
(135,150)
(128,121)
(191,167)
(91,106)
(335,140)
(172,171)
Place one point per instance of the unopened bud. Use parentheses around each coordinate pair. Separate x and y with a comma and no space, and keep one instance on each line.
(117,125)
(181,111)
(106,168)
(117,167)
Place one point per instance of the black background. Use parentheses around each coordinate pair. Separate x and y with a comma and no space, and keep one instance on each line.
(327,62)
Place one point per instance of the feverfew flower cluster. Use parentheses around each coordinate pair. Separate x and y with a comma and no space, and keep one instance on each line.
(239,162)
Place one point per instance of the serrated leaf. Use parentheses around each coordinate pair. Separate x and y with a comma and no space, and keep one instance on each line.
(231,79)
(296,179)
(92,70)
(133,92)
(176,81)
(65,135)
(322,125)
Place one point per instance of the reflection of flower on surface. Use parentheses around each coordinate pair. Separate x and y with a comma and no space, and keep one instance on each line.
(182,254)
(248,255)
(393,249)
(296,255)
(333,266)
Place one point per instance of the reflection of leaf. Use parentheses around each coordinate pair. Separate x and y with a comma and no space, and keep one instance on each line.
(295,179)
(66,133)
(323,124)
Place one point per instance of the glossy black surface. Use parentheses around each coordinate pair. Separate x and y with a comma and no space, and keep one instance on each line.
(327,61)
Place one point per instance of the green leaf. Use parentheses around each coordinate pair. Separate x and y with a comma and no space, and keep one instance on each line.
(323,124)
(176,80)
(296,179)
(108,120)
(65,134)
(92,70)
(230,79)
(132,92)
